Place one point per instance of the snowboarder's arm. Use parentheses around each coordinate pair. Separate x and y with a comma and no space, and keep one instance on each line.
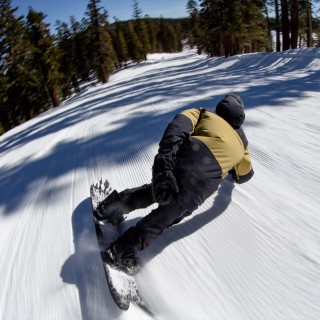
(178,129)
(164,183)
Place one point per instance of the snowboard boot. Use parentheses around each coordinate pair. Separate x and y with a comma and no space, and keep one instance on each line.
(111,209)
(122,259)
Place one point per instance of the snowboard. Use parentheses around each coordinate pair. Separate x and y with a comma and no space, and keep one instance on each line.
(123,287)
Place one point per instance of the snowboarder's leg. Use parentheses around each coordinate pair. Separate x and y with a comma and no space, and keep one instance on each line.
(116,205)
(137,238)
(152,225)
(137,198)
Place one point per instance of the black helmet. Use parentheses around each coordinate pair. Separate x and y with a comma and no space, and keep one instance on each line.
(230,108)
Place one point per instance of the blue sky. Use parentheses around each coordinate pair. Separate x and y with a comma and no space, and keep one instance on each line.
(122,9)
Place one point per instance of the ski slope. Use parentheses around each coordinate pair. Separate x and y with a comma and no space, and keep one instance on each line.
(250,252)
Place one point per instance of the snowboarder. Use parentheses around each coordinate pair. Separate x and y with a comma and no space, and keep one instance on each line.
(198,149)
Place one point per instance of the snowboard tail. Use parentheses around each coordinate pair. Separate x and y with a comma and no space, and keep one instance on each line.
(122,286)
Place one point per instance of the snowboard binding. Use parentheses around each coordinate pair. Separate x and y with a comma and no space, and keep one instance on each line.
(111,209)
(127,262)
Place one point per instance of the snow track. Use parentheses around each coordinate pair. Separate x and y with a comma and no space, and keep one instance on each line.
(251,251)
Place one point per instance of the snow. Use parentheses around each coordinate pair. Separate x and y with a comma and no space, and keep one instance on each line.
(251,251)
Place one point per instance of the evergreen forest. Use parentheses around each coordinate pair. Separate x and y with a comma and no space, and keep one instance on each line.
(40,68)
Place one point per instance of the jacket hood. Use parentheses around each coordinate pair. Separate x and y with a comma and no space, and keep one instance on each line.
(231,109)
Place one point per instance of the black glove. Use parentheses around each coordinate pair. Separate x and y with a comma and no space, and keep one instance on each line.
(163,187)
(163,163)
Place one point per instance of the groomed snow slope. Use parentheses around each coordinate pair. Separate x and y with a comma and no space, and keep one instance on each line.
(252,251)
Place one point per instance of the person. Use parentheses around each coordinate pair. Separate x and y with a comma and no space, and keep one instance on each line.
(197,151)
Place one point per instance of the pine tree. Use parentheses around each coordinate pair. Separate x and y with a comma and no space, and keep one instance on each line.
(75,61)
(142,30)
(81,39)
(277,25)
(270,45)
(253,34)
(45,55)
(137,12)
(104,56)
(232,26)
(20,95)
(296,20)
(194,27)
(294,25)
(67,59)
(169,39)
(211,19)
(285,25)
(153,30)
(120,44)
(308,22)
(9,52)
(135,48)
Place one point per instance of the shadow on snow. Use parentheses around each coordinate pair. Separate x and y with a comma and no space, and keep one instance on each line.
(260,79)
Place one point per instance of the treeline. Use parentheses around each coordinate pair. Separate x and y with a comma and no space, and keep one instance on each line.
(228,27)
(294,24)
(39,70)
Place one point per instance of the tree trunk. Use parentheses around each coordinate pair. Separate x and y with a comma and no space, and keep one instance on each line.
(285,25)
(269,28)
(227,44)
(309,24)
(55,96)
(276,8)
(294,23)
(221,44)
